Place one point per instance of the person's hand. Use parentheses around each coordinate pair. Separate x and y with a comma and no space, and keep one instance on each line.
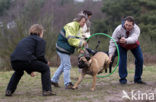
(81,51)
(32,74)
(85,43)
(48,63)
(122,40)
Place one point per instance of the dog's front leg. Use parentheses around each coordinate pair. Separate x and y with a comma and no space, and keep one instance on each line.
(94,82)
(79,81)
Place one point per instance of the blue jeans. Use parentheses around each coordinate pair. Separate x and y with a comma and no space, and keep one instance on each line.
(123,63)
(65,67)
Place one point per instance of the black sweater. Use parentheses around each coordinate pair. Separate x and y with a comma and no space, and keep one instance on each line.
(29,49)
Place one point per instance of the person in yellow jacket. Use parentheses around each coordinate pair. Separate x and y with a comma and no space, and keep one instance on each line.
(68,40)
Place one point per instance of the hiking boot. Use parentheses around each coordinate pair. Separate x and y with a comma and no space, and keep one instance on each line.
(69,86)
(139,82)
(123,81)
(8,93)
(55,84)
(48,93)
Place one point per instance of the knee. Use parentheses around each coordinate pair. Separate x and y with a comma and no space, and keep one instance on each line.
(46,68)
(140,60)
(67,66)
(19,73)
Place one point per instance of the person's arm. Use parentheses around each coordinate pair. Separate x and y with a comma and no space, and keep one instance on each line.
(112,46)
(40,51)
(72,39)
(134,36)
(85,31)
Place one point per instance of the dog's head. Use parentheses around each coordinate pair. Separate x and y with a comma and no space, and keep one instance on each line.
(83,62)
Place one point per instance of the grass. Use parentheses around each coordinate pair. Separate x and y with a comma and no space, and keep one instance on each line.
(107,89)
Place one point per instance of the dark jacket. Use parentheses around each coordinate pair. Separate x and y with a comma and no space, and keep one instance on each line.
(29,49)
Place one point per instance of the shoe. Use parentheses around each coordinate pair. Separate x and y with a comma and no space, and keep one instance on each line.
(139,82)
(48,93)
(69,86)
(123,81)
(55,84)
(8,93)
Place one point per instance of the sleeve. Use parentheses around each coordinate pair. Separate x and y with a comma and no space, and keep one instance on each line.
(134,36)
(72,39)
(85,31)
(112,46)
(40,51)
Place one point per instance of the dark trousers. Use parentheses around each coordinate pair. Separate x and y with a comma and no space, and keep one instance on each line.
(19,68)
(123,63)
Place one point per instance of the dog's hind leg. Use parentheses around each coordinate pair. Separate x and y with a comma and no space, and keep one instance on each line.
(111,64)
(94,82)
(79,81)
(105,70)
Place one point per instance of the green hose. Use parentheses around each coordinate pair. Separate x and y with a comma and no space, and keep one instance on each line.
(99,76)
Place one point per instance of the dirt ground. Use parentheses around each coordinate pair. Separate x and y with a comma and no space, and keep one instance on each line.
(107,89)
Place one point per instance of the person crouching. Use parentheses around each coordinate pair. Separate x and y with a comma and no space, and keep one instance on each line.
(29,56)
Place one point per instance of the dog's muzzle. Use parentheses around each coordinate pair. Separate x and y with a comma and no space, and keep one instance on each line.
(82,64)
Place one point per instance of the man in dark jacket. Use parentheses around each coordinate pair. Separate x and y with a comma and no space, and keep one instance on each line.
(29,56)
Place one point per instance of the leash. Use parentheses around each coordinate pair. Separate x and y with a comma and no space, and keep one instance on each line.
(97,45)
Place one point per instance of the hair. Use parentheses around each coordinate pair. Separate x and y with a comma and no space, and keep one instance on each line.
(130,19)
(36,29)
(79,17)
(88,13)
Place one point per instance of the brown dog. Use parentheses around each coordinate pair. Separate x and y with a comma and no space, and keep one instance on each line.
(96,65)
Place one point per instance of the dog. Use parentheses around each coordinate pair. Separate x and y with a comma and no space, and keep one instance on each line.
(94,66)
(92,53)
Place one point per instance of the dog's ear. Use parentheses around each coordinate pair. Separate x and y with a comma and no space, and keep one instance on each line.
(81,58)
(84,59)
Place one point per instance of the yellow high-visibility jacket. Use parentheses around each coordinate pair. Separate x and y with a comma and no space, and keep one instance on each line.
(69,38)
